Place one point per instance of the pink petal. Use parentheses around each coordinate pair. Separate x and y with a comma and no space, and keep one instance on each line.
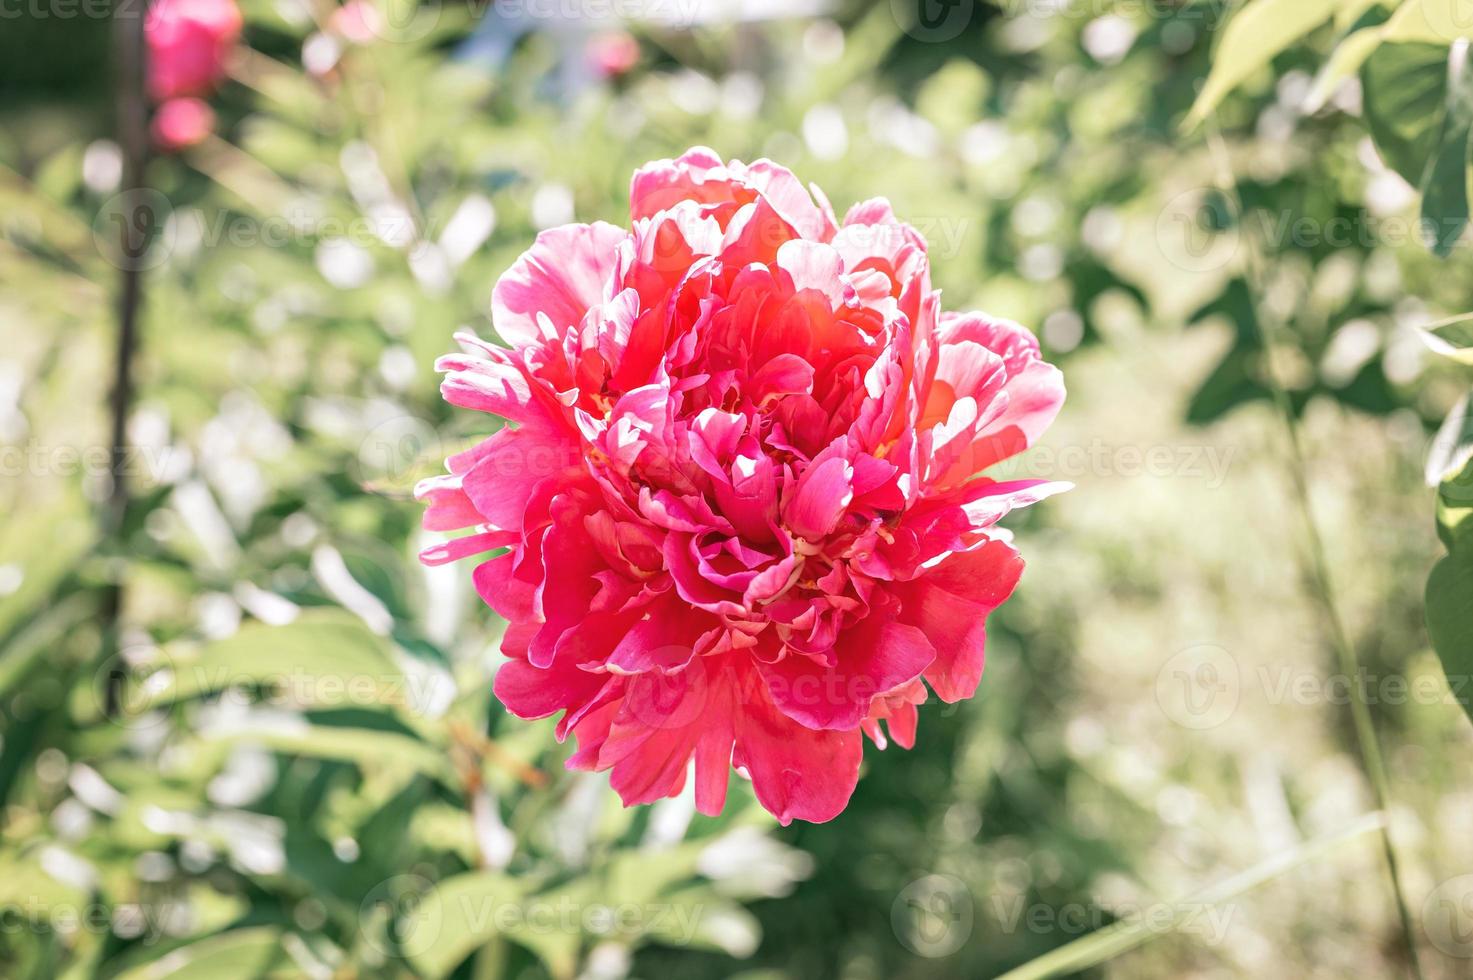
(662,184)
(785,374)
(1034,388)
(447,508)
(822,493)
(560,277)
(791,200)
(950,604)
(530,692)
(797,773)
(872,658)
(463,547)
(510,465)
(663,640)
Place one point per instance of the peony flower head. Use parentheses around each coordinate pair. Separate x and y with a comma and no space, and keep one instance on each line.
(740,503)
(181,123)
(189,44)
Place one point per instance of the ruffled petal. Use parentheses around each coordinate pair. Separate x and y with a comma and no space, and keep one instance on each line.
(950,605)
(555,282)
(873,658)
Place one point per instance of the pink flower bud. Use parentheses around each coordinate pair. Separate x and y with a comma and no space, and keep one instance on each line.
(182,123)
(189,45)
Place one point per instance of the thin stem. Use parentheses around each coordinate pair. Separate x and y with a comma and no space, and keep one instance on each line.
(1319,566)
(132,124)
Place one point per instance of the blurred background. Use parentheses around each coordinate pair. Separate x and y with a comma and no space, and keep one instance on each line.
(243,733)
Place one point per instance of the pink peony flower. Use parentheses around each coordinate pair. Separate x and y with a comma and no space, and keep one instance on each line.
(189,43)
(740,502)
(182,123)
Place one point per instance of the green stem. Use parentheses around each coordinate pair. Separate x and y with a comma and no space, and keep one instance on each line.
(1123,936)
(1319,566)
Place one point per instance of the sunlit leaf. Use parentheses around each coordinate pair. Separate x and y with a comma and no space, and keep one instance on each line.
(1431,21)
(324,658)
(366,747)
(1452,338)
(1347,58)
(699,919)
(243,954)
(1453,445)
(1254,36)
(30,647)
(27,888)
(459,916)
(41,544)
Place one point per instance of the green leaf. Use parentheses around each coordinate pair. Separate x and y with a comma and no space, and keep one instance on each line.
(244,954)
(699,918)
(1259,32)
(1455,501)
(1431,21)
(324,658)
(1452,447)
(1359,23)
(28,889)
(1405,98)
(1452,338)
(1445,185)
(631,879)
(1232,383)
(1351,13)
(1450,620)
(1347,58)
(368,748)
(953,97)
(44,544)
(1125,935)
(29,648)
(457,917)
